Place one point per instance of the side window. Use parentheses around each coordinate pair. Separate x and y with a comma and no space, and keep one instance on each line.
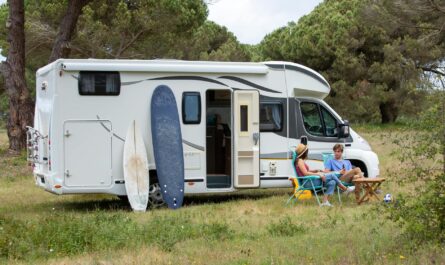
(330,123)
(311,118)
(99,83)
(191,108)
(271,117)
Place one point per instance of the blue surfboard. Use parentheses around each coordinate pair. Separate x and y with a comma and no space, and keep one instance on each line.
(167,146)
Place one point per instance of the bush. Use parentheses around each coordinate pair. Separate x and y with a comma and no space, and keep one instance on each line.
(423,217)
(422,153)
(285,227)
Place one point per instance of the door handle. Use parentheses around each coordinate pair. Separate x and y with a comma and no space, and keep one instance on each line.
(256,137)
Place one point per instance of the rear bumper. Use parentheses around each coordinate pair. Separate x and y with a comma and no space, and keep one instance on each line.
(54,184)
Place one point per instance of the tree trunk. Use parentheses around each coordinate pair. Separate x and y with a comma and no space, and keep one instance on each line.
(21,109)
(389,111)
(61,46)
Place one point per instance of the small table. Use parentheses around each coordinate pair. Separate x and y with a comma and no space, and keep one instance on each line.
(370,185)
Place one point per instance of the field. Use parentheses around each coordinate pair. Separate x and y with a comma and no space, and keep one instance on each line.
(250,227)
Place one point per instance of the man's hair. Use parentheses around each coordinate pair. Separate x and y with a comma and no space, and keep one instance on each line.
(338,146)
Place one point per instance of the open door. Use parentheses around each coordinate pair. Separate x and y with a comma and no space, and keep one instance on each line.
(246,144)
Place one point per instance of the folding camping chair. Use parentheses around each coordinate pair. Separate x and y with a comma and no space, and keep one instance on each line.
(300,181)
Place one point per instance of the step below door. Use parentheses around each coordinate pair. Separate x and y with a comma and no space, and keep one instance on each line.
(87,151)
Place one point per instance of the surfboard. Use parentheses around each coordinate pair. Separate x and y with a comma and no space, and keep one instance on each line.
(167,146)
(136,168)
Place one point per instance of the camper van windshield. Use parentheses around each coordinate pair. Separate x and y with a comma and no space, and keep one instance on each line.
(317,120)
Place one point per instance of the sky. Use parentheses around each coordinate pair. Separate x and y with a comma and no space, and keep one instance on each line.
(251,20)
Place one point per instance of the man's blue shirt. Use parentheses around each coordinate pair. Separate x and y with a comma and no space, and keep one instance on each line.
(337,165)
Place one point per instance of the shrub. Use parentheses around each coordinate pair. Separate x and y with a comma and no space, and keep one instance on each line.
(423,157)
(285,227)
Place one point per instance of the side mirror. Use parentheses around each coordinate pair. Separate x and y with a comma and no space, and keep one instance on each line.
(303,140)
(343,129)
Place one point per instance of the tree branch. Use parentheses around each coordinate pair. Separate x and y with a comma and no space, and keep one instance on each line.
(432,70)
(437,6)
(133,40)
(67,25)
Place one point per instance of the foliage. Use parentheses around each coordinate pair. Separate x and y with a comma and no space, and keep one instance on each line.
(285,227)
(211,42)
(423,217)
(423,156)
(137,29)
(369,66)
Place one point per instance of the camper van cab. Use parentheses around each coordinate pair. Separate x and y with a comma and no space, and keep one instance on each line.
(238,123)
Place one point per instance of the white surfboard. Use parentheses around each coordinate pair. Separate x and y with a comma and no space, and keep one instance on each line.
(136,168)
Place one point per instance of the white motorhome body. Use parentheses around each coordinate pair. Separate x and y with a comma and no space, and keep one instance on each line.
(238,122)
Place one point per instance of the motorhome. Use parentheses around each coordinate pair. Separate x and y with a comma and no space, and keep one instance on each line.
(238,121)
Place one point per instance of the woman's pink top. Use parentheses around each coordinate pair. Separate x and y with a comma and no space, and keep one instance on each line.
(299,173)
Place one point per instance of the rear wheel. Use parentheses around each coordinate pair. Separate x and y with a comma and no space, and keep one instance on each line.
(155,199)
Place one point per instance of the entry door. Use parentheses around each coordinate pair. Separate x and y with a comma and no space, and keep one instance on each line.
(246,146)
(87,153)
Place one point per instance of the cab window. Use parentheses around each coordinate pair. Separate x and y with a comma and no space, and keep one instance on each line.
(317,120)
(330,123)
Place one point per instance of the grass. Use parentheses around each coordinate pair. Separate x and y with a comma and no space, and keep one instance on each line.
(249,227)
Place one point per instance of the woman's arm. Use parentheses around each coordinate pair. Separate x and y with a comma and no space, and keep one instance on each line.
(306,172)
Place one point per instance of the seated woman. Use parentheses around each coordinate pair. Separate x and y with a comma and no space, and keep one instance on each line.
(330,180)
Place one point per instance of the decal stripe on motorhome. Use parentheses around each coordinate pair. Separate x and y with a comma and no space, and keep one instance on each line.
(282,155)
(195,78)
(299,69)
(248,83)
(200,148)
(108,130)
(132,82)
(276,66)
(305,71)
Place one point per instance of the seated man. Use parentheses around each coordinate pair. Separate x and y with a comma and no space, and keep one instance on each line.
(344,167)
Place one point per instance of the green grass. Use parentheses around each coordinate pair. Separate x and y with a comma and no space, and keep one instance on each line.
(249,227)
